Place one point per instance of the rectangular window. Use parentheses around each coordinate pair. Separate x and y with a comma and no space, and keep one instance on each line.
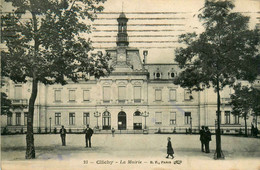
(137,94)
(106,94)
(187,95)
(172,95)
(57,95)
(86,95)
(57,118)
(25,118)
(172,118)
(18,118)
(227,117)
(18,91)
(158,117)
(187,118)
(158,95)
(121,94)
(71,118)
(9,118)
(86,118)
(236,118)
(72,96)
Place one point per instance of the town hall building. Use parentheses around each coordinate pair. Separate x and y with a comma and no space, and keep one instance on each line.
(135,96)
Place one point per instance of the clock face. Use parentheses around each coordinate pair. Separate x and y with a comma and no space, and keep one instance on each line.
(121,57)
(121,54)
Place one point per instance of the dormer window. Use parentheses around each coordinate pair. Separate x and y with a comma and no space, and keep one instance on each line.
(171,74)
(158,75)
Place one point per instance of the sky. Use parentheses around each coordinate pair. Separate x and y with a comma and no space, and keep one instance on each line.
(155,25)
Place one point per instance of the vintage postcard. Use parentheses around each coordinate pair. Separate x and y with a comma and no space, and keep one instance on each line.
(90,87)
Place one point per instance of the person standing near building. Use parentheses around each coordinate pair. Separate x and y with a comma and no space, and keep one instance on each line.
(169,149)
(252,129)
(63,135)
(113,132)
(202,138)
(88,133)
(207,139)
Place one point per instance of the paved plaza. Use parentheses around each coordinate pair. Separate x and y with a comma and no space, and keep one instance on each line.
(133,151)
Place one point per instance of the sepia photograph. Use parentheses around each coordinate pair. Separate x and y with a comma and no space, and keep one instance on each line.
(130,84)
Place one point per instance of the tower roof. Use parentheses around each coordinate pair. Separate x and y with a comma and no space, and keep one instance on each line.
(122,15)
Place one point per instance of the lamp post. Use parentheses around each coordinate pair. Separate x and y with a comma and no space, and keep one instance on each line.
(97,114)
(145,114)
(190,125)
(50,124)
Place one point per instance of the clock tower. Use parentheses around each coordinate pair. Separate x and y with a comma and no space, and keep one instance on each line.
(122,39)
(125,59)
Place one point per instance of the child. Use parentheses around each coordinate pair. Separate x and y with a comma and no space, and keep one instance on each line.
(113,132)
(169,149)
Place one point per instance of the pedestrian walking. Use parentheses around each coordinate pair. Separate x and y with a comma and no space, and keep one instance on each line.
(202,138)
(63,135)
(88,133)
(207,139)
(169,149)
(113,132)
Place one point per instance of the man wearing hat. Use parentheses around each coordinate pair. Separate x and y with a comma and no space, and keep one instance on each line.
(88,133)
(207,139)
(202,138)
(63,135)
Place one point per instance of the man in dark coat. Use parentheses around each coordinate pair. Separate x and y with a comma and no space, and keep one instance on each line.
(207,139)
(88,133)
(202,138)
(63,135)
(169,149)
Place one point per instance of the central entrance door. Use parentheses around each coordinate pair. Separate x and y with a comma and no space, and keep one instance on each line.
(121,120)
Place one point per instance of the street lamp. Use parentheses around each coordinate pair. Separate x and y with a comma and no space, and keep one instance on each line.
(50,124)
(97,114)
(145,114)
(190,125)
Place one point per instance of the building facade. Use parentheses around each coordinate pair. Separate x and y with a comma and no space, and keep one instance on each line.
(136,96)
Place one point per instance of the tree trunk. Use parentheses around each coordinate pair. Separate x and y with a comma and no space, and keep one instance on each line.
(30,151)
(245,125)
(219,154)
(256,121)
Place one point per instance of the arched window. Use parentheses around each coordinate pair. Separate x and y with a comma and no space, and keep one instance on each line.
(157,75)
(106,120)
(171,74)
(137,113)
(122,120)
(137,122)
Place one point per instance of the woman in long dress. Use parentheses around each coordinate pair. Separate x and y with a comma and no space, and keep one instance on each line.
(169,149)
